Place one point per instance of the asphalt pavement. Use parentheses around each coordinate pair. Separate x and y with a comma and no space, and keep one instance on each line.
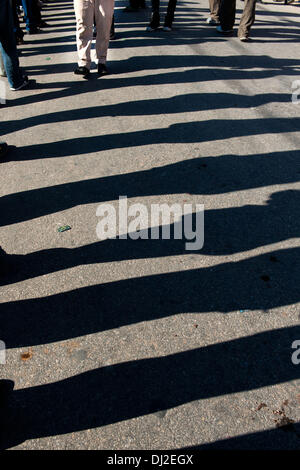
(141,343)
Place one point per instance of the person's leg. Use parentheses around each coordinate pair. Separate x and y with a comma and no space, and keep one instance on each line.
(227,14)
(214,7)
(8,47)
(170,13)
(104,10)
(247,19)
(155,17)
(112,34)
(84,12)
(30,20)
(17,29)
(2,68)
(37,12)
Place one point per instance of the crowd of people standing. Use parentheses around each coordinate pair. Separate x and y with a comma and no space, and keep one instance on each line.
(95,20)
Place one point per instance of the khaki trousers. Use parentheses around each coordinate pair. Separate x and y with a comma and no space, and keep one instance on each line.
(214,6)
(227,16)
(86,11)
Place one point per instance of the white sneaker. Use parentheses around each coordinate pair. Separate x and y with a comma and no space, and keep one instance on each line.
(23,85)
(210,20)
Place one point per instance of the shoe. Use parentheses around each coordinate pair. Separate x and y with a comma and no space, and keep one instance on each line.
(20,41)
(43,24)
(112,36)
(3,152)
(23,85)
(34,31)
(102,69)
(245,39)
(151,28)
(82,71)
(211,21)
(167,28)
(224,31)
(130,9)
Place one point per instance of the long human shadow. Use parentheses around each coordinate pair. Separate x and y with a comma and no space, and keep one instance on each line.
(283,35)
(131,389)
(234,62)
(212,130)
(209,71)
(227,231)
(284,437)
(256,283)
(50,50)
(173,105)
(206,175)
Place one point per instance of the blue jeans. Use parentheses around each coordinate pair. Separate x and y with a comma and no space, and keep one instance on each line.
(8,47)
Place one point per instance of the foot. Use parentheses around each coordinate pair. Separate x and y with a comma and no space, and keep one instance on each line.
(84,71)
(151,28)
(211,21)
(130,9)
(102,69)
(224,31)
(24,84)
(167,28)
(112,36)
(20,41)
(3,152)
(244,38)
(34,31)
(43,24)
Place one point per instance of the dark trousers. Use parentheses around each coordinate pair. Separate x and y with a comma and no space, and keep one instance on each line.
(8,46)
(32,14)
(170,10)
(17,28)
(227,16)
(137,4)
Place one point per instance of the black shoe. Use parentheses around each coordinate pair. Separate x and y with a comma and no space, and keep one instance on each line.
(130,9)
(82,71)
(34,31)
(3,152)
(25,83)
(20,41)
(102,69)
(43,24)
(112,36)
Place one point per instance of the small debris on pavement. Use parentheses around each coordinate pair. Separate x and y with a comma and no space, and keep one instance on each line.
(27,355)
(260,406)
(64,228)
